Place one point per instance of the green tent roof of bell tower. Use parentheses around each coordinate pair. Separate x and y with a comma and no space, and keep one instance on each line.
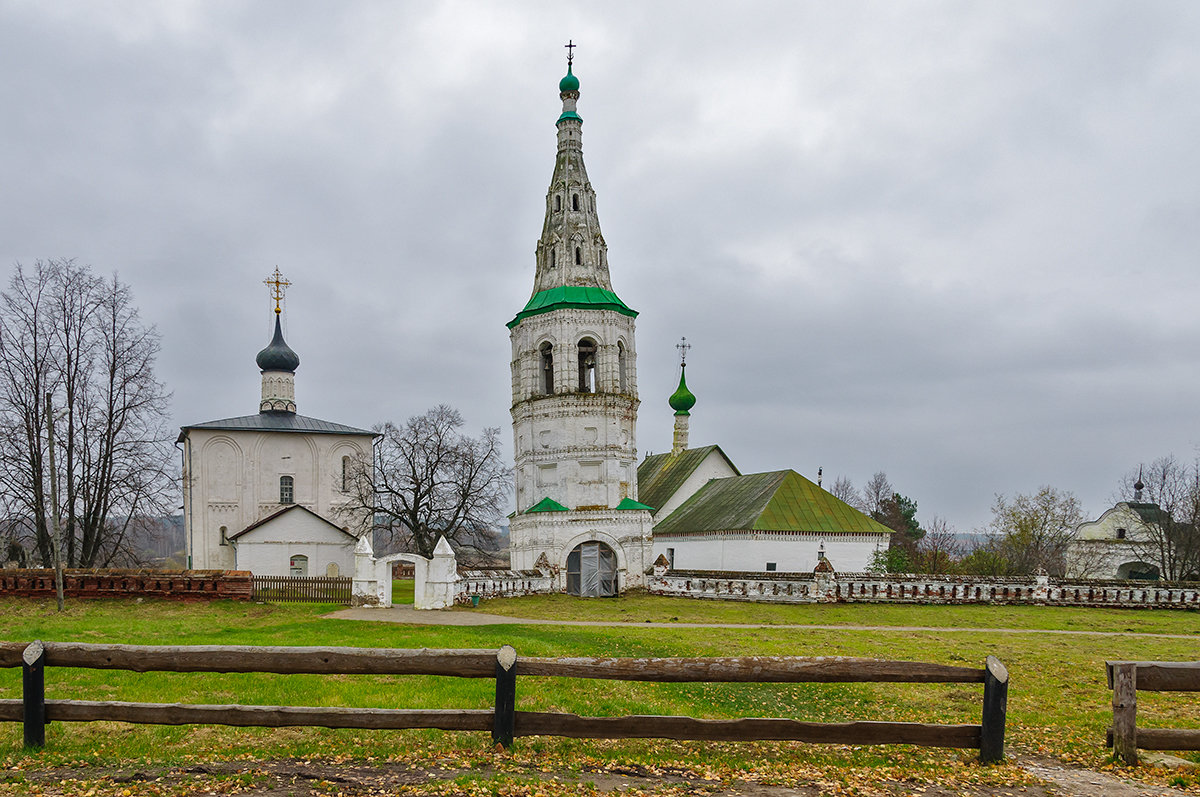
(682,399)
(580,297)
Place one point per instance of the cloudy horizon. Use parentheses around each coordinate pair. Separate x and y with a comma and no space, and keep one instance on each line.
(945,240)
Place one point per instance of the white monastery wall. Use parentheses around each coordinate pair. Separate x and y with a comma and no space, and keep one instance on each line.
(751,551)
(268,549)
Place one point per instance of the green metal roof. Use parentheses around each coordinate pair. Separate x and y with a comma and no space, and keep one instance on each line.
(682,399)
(569,81)
(572,296)
(569,115)
(547,504)
(660,475)
(781,500)
(1149,513)
(629,503)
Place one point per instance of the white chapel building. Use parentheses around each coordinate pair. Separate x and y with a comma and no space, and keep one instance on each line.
(268,492)
(585,507)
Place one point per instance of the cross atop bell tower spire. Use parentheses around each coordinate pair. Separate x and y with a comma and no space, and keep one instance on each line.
(570,45)
(278,286)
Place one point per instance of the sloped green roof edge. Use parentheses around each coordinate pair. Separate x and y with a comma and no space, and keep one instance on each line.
(775,501)
(629,503)
(547,504)
(661,475)
(580,297)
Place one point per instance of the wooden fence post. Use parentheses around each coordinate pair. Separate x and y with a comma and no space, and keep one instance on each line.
(1124,702)
(33,688)
(995,705)
(506,696)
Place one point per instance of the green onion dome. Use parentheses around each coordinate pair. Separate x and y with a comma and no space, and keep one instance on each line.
(569,82)
(682,399)
(278,356)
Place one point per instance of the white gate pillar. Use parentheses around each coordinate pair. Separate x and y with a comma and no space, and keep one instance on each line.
(364,591)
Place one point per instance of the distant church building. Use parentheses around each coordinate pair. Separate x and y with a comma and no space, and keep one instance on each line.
(268,492)
(574,396)
(585,507)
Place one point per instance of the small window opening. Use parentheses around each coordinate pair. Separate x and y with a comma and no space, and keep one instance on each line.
(574,201)
(1120,534)
(671,557)
(557,202)
(622,378)
(552,258)
(578,256)
(287,490)
(345,474)
(770,567)
(224,535)
(587,366)
(547,352)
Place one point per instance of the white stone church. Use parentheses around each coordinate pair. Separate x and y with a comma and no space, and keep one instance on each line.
(269,492)
(574,411)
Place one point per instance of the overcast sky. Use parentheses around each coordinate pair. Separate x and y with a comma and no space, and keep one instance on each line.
(953,241)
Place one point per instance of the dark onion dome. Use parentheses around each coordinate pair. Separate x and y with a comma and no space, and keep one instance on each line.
(569,82)
(278,356)
(682,399)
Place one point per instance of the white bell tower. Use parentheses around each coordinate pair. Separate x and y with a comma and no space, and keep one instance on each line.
(574,384)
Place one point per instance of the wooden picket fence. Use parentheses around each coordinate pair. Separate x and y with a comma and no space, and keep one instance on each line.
(1126,679)
(303,589)
(504,721)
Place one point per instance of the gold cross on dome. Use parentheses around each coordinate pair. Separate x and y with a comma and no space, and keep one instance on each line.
(278,285)
(683,347)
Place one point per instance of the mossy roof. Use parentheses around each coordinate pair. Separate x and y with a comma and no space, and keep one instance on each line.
(661,475)
(572,296)
(781,500)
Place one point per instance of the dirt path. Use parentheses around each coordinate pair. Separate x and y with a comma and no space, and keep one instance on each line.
(1089,783)
(407,614)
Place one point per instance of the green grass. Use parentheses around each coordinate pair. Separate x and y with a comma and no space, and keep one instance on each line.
(1058,703)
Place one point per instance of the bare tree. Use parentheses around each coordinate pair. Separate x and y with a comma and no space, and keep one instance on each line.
(1170,511)
(66,332)
(1033,531)
(844,490)
(939,550)
(876,493)
(429,480)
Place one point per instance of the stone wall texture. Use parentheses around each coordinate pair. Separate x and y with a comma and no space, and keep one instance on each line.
(926,589)
(170,584)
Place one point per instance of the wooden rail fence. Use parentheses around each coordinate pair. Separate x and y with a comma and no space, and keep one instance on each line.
(504,721)
(1126,679)
(303,589)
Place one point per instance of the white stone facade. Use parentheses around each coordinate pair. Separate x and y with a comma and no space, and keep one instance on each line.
(574,387)
(1118,544)
(295,542)
(231,479)
(761,551)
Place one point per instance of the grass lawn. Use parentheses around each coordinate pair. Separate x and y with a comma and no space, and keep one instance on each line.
(1059,706)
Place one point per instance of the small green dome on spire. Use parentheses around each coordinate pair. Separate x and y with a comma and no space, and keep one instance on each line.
(682,399)
(569,82)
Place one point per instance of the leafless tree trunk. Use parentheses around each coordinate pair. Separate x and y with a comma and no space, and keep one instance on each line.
(66,332)
(429,480)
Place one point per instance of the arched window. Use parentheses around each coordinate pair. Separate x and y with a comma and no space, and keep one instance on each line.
(574,201)
(622,377)
(224,535)
(557,202)
(345,474)
(547,363)
(298,565)
(287,490)
(587,366)
(578,256)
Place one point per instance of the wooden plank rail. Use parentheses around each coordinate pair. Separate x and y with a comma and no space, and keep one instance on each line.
(504,721)
(1126,679)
